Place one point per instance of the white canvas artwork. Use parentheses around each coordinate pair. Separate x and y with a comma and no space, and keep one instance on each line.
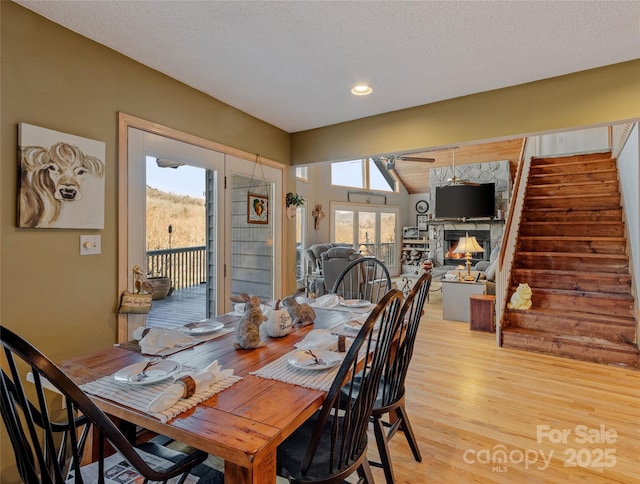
(61,179)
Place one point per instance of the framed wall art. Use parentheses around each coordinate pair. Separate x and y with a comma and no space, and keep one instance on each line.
(410,233)
(422,222)
(257,209)
(61,179)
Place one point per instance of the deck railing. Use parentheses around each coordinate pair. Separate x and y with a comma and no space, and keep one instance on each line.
(185,266)
(388,252)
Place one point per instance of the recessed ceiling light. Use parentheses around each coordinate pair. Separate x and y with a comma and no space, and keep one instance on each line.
(361,90)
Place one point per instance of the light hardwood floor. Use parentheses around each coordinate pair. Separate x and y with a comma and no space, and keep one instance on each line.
(470,401)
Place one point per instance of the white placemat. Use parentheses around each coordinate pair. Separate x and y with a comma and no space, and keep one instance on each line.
(351,309)
(327,318)
(282,370)
(344,330)
(202,338)
(139,396)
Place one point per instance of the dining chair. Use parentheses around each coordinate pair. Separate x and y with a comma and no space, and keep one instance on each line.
(365,278)
(332,444)
(48,443)
(391,393)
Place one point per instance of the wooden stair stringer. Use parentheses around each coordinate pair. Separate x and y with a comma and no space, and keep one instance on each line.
(571,249)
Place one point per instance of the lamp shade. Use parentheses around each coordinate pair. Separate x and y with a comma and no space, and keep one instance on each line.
(468,244)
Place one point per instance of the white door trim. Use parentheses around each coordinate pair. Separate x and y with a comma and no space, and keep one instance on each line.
(125,122)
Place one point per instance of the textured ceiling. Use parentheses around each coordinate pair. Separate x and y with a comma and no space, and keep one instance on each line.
(292,63)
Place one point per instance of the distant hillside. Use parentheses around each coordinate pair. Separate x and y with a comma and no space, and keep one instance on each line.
(185,214)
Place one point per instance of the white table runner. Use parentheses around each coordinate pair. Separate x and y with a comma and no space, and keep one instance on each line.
(139,396)
(195,340)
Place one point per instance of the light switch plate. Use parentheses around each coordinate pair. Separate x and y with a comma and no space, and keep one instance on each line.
(90,245)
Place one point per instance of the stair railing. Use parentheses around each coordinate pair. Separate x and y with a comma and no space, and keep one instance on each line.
(510,237)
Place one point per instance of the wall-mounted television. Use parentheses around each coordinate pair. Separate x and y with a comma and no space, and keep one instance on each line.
(466,201)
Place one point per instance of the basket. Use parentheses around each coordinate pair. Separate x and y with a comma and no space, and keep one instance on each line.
(161,286)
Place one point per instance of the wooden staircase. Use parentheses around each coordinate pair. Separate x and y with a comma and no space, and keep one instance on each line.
(571,250)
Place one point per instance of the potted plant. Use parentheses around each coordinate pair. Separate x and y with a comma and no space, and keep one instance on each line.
(293,201)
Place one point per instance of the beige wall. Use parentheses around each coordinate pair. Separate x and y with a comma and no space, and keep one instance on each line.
(54,78)
(596,97)
(51,77)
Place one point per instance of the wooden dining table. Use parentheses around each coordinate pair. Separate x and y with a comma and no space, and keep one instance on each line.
(243,424)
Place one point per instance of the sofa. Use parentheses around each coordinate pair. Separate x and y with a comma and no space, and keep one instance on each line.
(327,261)
(486,268)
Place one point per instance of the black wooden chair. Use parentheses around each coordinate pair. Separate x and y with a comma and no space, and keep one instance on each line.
(332,444)
(391,394)
(46,447)
(366,278)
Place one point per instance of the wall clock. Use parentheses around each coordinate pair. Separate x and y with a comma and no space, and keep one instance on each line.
(422,206)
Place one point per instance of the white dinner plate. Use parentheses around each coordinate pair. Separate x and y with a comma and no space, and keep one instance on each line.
(303,360)
(157,372)
(203,327)
(355,303)
(354,324)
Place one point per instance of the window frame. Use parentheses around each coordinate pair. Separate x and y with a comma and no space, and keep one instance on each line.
(366,177)
(394,268)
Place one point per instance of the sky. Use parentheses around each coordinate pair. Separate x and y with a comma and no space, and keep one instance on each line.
(189,180)
(184,180)
(350,174)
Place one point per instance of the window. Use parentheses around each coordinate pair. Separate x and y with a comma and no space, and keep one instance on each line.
(301,173)
(367,174)
(348,174)
(370,228)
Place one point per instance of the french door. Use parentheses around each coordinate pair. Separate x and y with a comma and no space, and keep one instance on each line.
(372,229)
(241,256)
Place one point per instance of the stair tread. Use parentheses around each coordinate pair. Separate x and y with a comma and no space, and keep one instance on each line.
(569,210)
(593,169)
(546,162)
(565,272)
(589,294)
(572,195)
(573,237)
(568,314)
(576,339)
(537,172)
(585,255)
(575,183)
(571,222)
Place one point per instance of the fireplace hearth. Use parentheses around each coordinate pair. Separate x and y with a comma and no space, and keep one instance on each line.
(451,238)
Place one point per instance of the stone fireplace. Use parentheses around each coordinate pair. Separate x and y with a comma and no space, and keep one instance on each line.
(445,234)
(488,232)
(451,238)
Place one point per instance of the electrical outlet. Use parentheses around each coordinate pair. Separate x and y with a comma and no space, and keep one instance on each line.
(90,245)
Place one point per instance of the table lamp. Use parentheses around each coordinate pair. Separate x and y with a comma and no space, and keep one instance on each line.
(467,245)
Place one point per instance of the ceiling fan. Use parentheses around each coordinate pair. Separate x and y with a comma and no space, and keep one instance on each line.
(391,160)
(454,180)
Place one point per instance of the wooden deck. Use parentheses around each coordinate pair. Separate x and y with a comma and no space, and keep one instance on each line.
(183,306)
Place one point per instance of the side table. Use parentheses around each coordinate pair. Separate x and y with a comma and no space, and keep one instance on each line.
(455,298)
(482,312)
